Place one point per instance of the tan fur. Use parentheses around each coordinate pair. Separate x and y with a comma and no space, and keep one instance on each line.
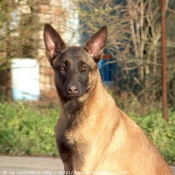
(94,136)
(108,141)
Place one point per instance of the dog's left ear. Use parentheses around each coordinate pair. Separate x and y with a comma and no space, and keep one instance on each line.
(96,44)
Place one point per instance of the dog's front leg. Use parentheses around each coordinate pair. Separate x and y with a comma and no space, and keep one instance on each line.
(67,169)
(85,164)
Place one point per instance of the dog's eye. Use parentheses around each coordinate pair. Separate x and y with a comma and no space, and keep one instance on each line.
(84,67)
(62,67)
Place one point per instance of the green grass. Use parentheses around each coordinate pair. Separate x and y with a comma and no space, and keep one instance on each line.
(25,130)
(161,132)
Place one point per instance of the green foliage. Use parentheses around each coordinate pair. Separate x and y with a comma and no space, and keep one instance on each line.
(30,131)
(161,132)
(26,131)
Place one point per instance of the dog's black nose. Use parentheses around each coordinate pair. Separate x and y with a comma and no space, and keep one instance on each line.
(72,90)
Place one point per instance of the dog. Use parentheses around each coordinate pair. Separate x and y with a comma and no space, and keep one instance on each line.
(93,135)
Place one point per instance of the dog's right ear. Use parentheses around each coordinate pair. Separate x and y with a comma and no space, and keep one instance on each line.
(96,44)
(54,44)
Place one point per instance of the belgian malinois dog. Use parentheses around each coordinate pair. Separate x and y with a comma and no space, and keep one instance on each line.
(93,136)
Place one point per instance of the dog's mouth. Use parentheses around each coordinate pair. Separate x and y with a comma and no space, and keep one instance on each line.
(73,96)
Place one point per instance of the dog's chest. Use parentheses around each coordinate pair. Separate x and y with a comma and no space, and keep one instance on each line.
(71,144)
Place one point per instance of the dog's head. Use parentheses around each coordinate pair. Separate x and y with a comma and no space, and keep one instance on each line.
(75,67)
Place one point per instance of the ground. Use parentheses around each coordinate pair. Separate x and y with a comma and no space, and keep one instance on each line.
(33,166)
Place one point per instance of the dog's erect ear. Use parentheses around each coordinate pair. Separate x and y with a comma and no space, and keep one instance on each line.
(96,44)
(53,42)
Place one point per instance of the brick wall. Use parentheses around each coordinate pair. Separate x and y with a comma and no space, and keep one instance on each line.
(56,15)
(47,87)
(62,16)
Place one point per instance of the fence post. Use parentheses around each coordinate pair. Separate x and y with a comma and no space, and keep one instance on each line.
(164,72)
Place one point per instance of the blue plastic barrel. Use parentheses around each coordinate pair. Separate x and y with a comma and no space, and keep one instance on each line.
(105,70)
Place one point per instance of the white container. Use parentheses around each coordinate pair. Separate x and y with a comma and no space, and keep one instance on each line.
(25,79)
